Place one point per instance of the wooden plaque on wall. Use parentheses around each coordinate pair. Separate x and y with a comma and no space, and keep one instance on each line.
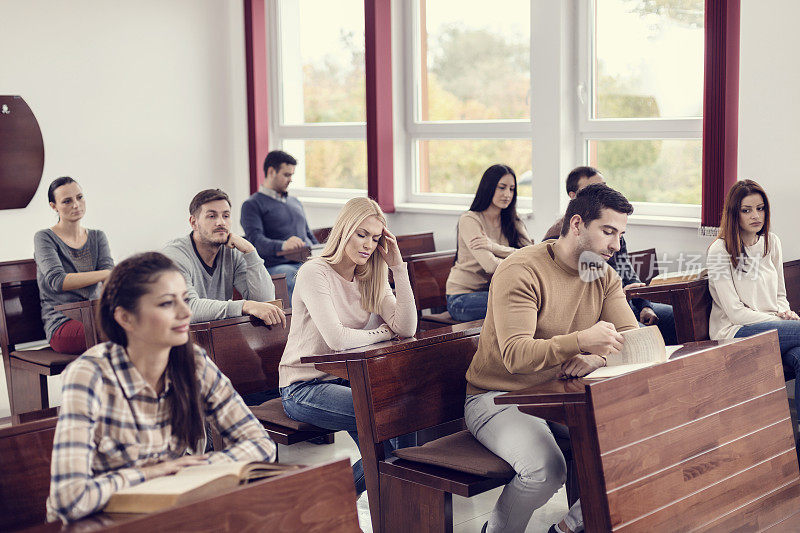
(21,153)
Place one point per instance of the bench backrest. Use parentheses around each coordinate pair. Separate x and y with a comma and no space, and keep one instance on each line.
(645,264)
(25,455)
(428,274)
(281,289)
(419,388)
(416,243)
(321,234)
(248,352)
(791,277)
(20,307)
(720,456)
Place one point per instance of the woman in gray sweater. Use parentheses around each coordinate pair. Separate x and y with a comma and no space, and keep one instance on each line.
(71,264)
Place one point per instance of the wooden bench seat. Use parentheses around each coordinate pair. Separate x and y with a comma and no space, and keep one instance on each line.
(285,430)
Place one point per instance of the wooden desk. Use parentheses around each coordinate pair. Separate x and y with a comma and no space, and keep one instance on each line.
(691,305)
(701,442)
(318,498)
(353,366)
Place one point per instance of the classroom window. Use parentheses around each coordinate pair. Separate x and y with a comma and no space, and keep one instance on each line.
(469,96)
(641,122)
(318,47)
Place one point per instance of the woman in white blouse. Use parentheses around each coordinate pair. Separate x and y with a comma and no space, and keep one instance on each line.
(745,269)
(343,300)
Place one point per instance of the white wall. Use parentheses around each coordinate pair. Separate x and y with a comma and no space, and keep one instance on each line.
(769,111)
(143,102)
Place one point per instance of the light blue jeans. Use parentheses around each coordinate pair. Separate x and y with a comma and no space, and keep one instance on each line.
(789,341)
(329,405)
(468,306)
(528,445)
(290,269)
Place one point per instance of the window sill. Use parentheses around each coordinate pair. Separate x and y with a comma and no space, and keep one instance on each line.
(664,221)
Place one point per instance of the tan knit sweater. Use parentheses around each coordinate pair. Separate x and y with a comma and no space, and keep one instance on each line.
(473,269)
(537,306)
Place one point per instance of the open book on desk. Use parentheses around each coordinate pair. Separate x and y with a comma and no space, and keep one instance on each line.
(643,347)
(191,484)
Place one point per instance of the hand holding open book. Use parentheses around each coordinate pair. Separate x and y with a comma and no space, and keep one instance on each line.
(641,348)
(191,484)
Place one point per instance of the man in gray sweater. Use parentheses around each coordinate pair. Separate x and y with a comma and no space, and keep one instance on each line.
(214,261)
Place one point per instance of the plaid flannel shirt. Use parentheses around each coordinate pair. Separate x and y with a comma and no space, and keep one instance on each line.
(112,423)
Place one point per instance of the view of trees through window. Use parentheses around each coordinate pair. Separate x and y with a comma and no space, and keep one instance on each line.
(649,65)
(474,65)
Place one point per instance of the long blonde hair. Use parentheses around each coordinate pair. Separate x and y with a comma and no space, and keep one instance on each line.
(374,275)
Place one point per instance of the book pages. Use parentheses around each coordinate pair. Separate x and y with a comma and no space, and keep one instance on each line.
(641,345)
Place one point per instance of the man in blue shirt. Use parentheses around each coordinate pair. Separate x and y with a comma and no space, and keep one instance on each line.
(273,221)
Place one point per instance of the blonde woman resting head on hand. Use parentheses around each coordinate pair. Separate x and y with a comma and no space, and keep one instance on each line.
(343,300)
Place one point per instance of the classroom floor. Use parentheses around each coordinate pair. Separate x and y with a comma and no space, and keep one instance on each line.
(469,514)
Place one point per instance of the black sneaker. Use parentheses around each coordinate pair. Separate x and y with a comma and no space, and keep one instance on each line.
(485,525)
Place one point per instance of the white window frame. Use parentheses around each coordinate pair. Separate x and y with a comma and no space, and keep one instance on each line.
(280,131)
(416,130)
(589,129)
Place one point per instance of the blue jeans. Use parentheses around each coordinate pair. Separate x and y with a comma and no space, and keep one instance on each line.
(468,306)
(290,269)
(666,321)
(789,340)
(329,405)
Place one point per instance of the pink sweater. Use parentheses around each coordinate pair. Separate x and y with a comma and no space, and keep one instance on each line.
(327,316)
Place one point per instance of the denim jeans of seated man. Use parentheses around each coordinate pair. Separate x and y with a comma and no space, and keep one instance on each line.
(329,405)
(468,306)
(666,321)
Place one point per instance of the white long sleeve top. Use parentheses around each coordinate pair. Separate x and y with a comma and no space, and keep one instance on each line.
(755,292)
(327,316)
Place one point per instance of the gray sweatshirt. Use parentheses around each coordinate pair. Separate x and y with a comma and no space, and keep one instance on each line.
(54,260)
(210,294)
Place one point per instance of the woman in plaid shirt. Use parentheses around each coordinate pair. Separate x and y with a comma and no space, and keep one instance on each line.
(134,408)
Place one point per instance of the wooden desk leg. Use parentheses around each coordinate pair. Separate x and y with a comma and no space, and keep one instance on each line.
(585,450)
(684,324)
(371,453)
(90,333)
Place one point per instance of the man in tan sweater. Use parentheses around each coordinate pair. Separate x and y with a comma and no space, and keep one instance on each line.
(555,310)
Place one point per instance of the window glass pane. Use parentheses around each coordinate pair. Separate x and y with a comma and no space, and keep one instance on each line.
(648,58)
(456,166)
(665,171)
(322,61)
(329,164)
(475,61)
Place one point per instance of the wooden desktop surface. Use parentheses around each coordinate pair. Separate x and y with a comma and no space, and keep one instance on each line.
(702,442)
(353,366)
(319,499)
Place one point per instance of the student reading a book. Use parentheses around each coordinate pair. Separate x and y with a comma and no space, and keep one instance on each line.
(489,232)
(72,262)
(555,309)
(343,300)
(745,276)
(134,407)
(647,313)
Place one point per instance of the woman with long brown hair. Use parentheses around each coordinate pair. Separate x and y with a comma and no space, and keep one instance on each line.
(745,269)
(134,407)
